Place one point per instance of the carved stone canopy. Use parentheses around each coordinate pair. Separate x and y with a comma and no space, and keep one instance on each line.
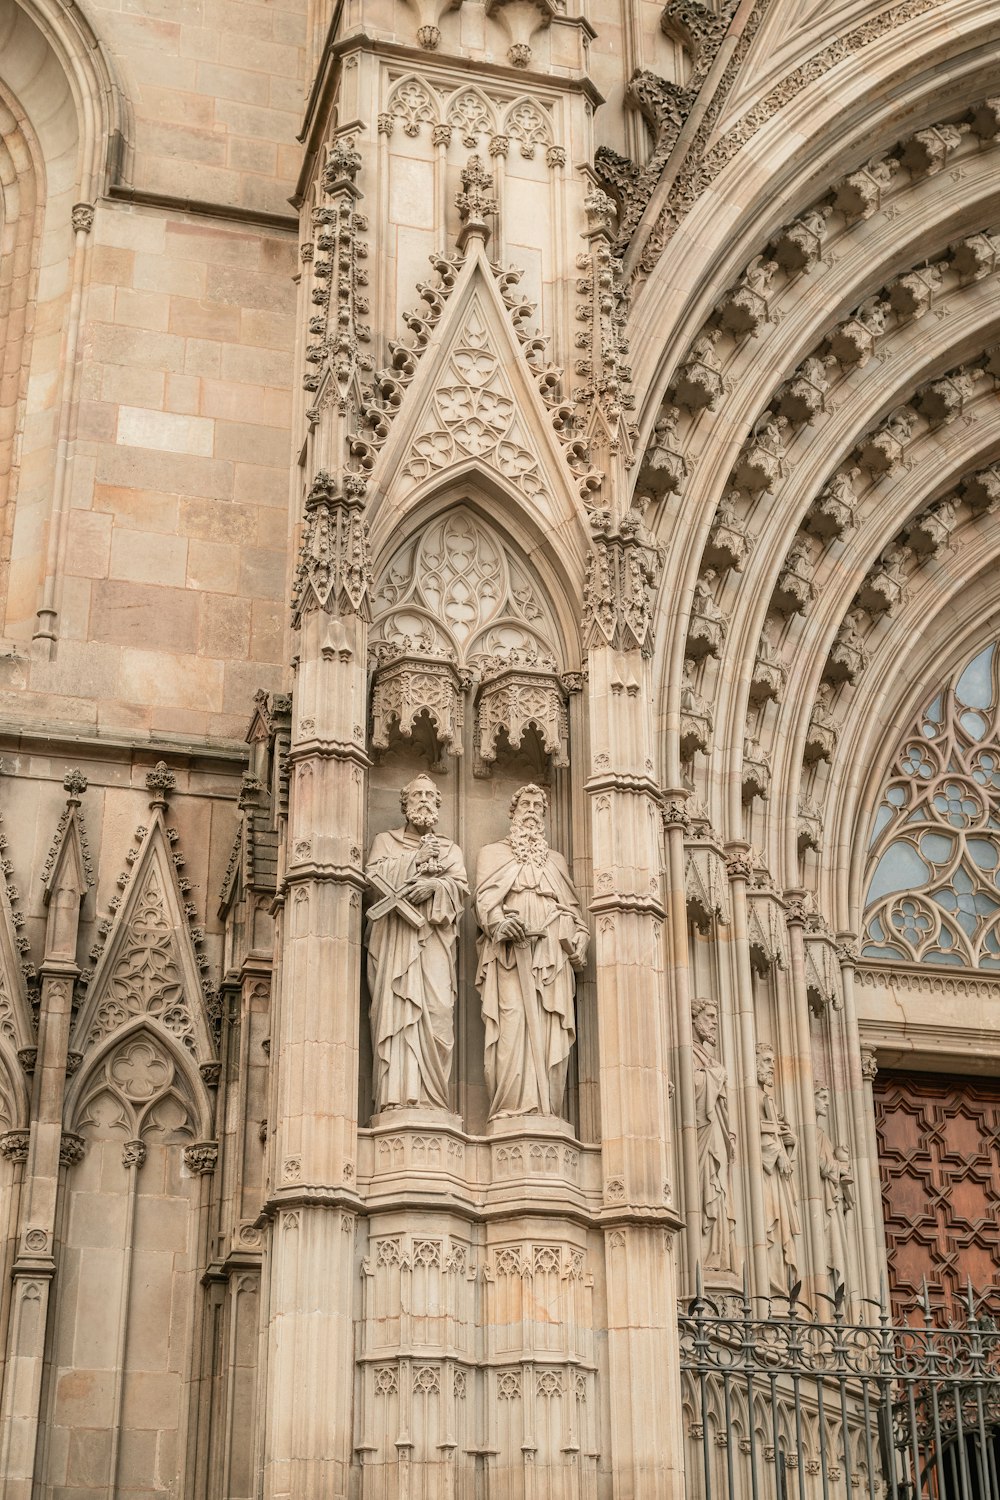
(409,684)
(516,696)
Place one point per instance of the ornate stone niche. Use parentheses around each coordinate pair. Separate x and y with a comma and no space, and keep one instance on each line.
(860,193)
(768,680)
(913,294)
(407,686)
(518,694)
(745,308)
(762,462)
(452,607)
(975,257)
(931,532)
(832,513)
(706,884)
(944,400)
(728,544)
(848,656)
(885,585)
(697,720)
(883,450)
(928,150)
(664,467)
(821,736)
(707,628)
(756,776)
(853,343)
(798,247)
(982,491)
(698,383)
(804,395)
(824,985)
(794,590)
(766,926)
(809,827)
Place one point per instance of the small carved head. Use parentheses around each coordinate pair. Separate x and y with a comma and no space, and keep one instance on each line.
(420,801)
(529,803)
(765,1065)
(705,1020)
(822,1101)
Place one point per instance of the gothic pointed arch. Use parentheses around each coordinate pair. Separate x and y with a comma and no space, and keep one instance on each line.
(149,966)
(139,1080)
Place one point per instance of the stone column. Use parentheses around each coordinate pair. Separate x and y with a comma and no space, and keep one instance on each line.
(814,1217)
(739,867)
(314,1037)
(639,1221)
(67,880)
(677,824)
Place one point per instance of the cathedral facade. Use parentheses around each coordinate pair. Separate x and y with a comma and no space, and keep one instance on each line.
(500,794)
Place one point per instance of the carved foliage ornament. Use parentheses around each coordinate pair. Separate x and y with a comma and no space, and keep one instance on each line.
(623,570)
(335,355)
(334,567)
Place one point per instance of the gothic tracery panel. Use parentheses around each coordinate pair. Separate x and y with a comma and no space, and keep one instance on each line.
(933,893)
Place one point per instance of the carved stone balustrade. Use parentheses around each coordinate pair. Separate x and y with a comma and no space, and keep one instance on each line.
(913,294)
(762,462)
(944,400)
(927,151)
(833,512)
(931,532)
(794,590)
(515,696)
(706,884)
(975,257)
(728,544)
(756,775)
(798,247)
(804,395)
(982,490)
(882,451)
(407,685)
(848,656)
(884,586)
(860,193)
(698,383)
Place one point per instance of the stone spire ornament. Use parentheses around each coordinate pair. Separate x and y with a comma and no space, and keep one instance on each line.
(474,202)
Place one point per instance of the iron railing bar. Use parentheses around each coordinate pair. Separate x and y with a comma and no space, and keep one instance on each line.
(869,1456)
(821,1423)
(775,1436)
(979,1440)
(845,1433)
(963,1458)
(728,1409)
(916,1465)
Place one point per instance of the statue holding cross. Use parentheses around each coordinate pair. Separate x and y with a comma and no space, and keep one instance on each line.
(420,886)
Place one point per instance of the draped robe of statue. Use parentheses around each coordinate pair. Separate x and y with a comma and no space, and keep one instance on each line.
(780,1212)
(412,976)
(527,989)
(711,1106)
(836,1177)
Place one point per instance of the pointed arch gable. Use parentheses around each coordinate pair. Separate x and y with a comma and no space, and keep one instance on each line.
(148,966)
(91,1078)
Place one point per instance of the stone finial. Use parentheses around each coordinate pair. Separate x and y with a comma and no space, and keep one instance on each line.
(160,782)
(75,783)
(475,201)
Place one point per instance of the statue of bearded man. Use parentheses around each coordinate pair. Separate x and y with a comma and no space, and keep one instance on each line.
(534,941)
(420,883)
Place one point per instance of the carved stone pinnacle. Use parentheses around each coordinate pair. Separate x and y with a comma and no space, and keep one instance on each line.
(475,201)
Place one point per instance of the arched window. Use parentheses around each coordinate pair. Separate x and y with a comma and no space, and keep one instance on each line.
(933,885)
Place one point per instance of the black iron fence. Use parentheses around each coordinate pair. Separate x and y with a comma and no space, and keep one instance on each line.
(787,1403)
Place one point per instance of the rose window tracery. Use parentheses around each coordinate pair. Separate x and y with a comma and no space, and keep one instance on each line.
(933,893)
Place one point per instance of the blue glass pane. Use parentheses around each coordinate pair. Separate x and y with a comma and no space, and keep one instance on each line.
(986,854)
(947,899)
(963,881)
(873,952)
(975,686)
(974,725)
(899,869)
(937,847)
(896,795)
(953,960)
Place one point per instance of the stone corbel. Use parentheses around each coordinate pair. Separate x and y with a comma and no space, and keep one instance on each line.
(517,696)
(408,684)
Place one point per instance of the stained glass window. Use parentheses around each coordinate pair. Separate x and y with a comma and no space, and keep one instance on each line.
(933,891)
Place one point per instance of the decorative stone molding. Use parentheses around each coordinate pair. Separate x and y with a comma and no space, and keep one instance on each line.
(333,573)
(514,696)
(605,398)
(409,684)
(623,569)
